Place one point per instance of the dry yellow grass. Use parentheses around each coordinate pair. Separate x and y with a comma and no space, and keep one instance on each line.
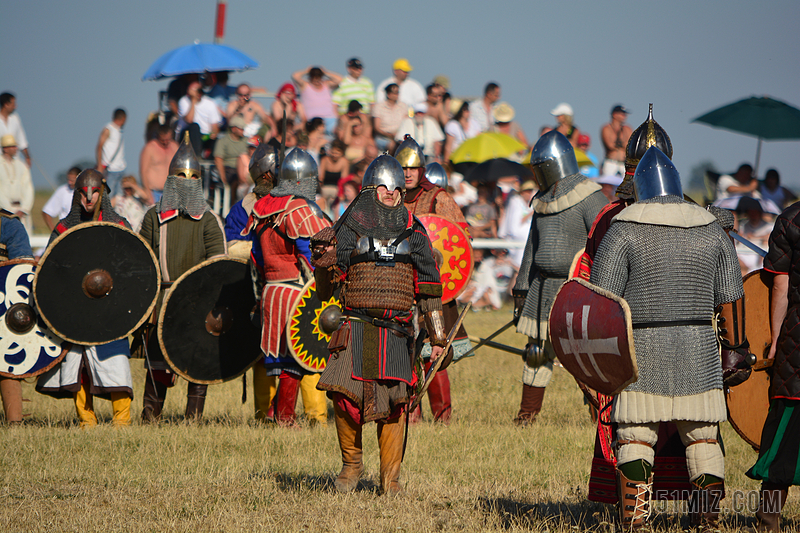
(230,474)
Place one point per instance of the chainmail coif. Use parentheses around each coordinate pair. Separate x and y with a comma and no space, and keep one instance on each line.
(368,217)
(183,194)
(77,215)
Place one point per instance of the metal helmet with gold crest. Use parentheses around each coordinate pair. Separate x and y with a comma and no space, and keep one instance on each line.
(552,159)
(185,164)
(409,154)
(648,134)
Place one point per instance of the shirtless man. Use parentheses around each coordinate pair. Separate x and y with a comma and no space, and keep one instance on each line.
(154,161)
(253,112)
(615,136)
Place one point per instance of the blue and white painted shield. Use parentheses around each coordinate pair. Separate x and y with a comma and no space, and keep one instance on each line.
(27,347)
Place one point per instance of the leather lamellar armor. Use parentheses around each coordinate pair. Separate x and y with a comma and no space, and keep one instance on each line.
(381,275)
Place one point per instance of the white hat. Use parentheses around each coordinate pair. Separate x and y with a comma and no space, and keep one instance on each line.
(562,109)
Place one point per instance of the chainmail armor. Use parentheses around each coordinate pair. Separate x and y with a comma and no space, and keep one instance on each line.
(668,273)
(370,218)
(183,194)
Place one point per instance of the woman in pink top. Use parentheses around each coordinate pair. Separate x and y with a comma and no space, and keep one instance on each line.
(316,94)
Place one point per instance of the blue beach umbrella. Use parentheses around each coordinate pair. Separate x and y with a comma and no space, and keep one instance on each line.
(198,58)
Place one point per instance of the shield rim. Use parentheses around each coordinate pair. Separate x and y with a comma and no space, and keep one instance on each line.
(160,327)
(467,239)
(63,236)
(293,309)
(64,349)
(739,428)
(628,330)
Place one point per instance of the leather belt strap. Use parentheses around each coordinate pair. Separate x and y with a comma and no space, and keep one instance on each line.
(671,323)
(623,442)
(377,322)
(703,441)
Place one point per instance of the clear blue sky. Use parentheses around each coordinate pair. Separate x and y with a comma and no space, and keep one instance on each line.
(71,63)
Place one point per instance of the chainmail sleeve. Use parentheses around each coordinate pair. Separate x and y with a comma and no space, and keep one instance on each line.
(527,266)
(728,280)
(610,268)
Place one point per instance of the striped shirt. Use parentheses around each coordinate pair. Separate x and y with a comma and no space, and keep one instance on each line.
(350,89)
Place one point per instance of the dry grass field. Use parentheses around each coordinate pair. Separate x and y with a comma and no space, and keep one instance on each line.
(229,473)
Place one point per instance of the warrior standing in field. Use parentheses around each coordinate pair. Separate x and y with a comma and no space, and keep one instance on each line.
(183,232)
(674,265)
(777,465)
(262,171)
(383,258)
(284,221)
(422,198)
(564,210)
(88,371)
(14,244)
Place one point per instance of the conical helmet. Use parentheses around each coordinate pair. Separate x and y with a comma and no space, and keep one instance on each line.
(552,159)
(384,170)
(263,160)
(648,134)
(436,174)
(185,161)
(409,154)
(656,176)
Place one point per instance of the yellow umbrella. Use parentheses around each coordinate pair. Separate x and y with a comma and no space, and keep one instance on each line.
(486,146)
(580,155)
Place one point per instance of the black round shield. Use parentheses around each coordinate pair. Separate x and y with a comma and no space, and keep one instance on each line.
(310,326)
(96,283)
(205,329)
(27,347)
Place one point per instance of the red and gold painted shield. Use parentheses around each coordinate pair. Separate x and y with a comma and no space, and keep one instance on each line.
(305,336)
(592,335)
(454,256)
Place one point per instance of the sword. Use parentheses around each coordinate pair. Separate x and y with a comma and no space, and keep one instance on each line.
(489,338)
(756,249)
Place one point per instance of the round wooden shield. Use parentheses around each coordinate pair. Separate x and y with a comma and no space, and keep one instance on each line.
(305,334)
(748,403)
(454,254)
(591,332)
(205,328)
(27,347)
(96,283)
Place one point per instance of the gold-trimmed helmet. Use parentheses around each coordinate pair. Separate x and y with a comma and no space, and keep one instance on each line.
(185,161)
(409,154)
(647,135)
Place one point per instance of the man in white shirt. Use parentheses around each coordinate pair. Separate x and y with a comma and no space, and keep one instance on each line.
(481,110)
(10,124)
(111,151)
(16,186)
(411,91)
(199,115)
(60,203)
(425,131)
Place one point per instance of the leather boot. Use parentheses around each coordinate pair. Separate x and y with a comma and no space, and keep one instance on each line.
(704,504)
(264,389)
(439,396)
(390,440)
(634,501)
(531,404)
(155,393)
(352,453)
(286,400)
(773,498)
(11,390)
(195,401)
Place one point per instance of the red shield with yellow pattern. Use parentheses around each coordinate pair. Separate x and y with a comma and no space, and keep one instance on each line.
(311,322)
(453,253)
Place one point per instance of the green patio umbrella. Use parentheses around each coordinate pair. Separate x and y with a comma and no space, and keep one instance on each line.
(760,116)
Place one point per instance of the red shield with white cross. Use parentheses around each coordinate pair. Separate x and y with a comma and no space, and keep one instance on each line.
(591,332)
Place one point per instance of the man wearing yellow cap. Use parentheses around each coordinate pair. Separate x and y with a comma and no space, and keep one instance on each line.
(411,91)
